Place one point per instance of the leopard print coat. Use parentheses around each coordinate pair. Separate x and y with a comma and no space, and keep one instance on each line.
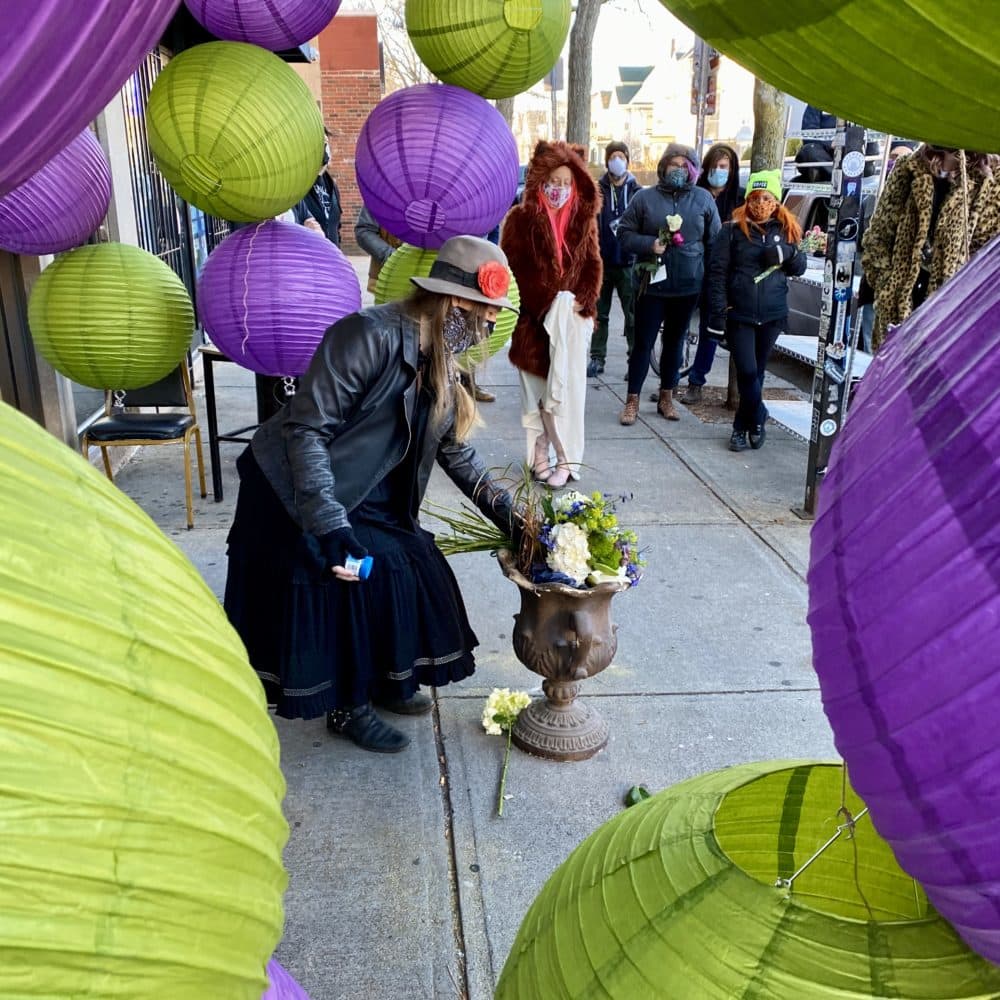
(899,228)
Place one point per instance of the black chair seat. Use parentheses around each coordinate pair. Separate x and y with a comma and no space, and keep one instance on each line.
(154,426)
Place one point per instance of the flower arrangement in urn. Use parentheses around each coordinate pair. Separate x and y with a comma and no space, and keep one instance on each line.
(569,559)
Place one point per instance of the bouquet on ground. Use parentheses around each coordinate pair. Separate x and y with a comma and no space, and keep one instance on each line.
(570,538)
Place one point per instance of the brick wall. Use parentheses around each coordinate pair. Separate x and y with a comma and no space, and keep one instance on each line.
(352,86)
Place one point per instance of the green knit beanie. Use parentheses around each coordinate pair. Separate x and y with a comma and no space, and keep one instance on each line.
(765,180)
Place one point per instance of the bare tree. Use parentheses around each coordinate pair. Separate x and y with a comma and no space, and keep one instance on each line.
(768,150)
(581,44)
(505,105)
(403,67)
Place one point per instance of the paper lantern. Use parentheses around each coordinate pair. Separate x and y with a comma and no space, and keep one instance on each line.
(904,591)
(142,825)
(62,63)
(411,262)
(281,986)
(274,24)
(434,161)
(495,48)
(942,87)
(676,898)
(111,316)
(235,131)
(269,292)
(62,204)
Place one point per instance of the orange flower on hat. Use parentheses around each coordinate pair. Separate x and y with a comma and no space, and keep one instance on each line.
(494,279)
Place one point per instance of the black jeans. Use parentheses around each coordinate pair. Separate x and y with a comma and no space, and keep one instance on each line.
(674,312)
(616,279)
(705,355)
(750,347)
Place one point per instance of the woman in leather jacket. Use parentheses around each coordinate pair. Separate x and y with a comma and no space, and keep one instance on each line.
(338,475)
(747,293)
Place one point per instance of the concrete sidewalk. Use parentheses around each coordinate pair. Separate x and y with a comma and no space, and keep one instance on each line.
(404,883)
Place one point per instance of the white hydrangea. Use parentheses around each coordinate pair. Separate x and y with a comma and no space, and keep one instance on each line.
(505,705)
(570,552)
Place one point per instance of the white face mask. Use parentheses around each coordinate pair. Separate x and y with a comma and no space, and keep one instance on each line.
(617,166)
(556,195)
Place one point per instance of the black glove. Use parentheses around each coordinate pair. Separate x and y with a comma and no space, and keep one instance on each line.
(716,329)
(778,253)
(337,545)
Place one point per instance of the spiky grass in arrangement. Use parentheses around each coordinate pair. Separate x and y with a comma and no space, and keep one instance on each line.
(470,531)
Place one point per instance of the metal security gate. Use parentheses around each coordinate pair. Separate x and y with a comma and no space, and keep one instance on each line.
(179,234)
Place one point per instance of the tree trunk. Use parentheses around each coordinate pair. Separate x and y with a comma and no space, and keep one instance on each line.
(768,150)
(505,105)
(581,44)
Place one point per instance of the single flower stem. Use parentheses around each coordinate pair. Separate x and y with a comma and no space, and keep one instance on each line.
(503,773)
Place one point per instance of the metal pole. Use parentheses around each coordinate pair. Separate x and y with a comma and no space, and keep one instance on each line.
(837,335)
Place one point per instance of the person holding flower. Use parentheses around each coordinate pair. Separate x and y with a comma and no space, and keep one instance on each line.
(751,261)
(551,242)
(339,475)
(670,227)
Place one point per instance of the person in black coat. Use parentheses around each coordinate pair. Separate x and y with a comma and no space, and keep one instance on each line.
(320,209)
(670,228)
(748,290)
(720,177)
(618,186)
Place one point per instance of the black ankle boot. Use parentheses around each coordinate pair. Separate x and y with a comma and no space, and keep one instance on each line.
(362,726)
(738,441)
(416,704)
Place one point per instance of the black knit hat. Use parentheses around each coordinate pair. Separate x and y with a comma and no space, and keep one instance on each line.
(616,147)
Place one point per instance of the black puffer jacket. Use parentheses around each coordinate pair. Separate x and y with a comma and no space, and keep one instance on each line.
(734,264)
(349,424)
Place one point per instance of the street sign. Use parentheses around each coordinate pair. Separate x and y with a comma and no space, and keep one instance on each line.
(705,79)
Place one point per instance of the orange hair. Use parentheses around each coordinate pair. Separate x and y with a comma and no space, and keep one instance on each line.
(789,224)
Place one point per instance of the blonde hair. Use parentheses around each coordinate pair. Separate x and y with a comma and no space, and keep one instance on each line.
(431,309)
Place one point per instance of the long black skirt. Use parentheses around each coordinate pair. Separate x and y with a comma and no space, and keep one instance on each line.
(319,643)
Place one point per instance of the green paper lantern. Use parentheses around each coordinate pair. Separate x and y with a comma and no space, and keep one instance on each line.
(930,72)
(676,898)
(235,131)
(407,262)
(140,854)
(111,316)
(495,48)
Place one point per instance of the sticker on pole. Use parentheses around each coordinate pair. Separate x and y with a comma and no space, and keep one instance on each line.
(853,163)
(828,428)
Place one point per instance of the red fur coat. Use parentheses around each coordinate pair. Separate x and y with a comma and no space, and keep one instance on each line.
(530,245)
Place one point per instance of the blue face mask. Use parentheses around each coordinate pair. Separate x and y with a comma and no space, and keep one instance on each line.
(676,177)
(717,178)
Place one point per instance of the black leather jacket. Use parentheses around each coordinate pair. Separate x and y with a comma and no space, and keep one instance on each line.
(349,424)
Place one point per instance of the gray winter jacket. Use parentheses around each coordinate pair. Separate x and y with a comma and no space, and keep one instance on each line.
(350,421)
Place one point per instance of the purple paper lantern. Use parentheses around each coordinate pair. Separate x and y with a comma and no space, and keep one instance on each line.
(435,161)
(905,597)
(281,986)
(271,24)
(62,62)
(58,207)
(270,291)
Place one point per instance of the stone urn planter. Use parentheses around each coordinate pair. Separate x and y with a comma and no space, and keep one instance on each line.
(566,635)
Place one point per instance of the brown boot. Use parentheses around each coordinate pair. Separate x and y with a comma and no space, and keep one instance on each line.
(665,407)
(693,395)
(631,411)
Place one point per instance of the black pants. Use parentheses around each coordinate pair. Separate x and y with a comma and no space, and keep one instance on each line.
(750,346)
(674,313)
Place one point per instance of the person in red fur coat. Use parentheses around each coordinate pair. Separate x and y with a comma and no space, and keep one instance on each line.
(552,245)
